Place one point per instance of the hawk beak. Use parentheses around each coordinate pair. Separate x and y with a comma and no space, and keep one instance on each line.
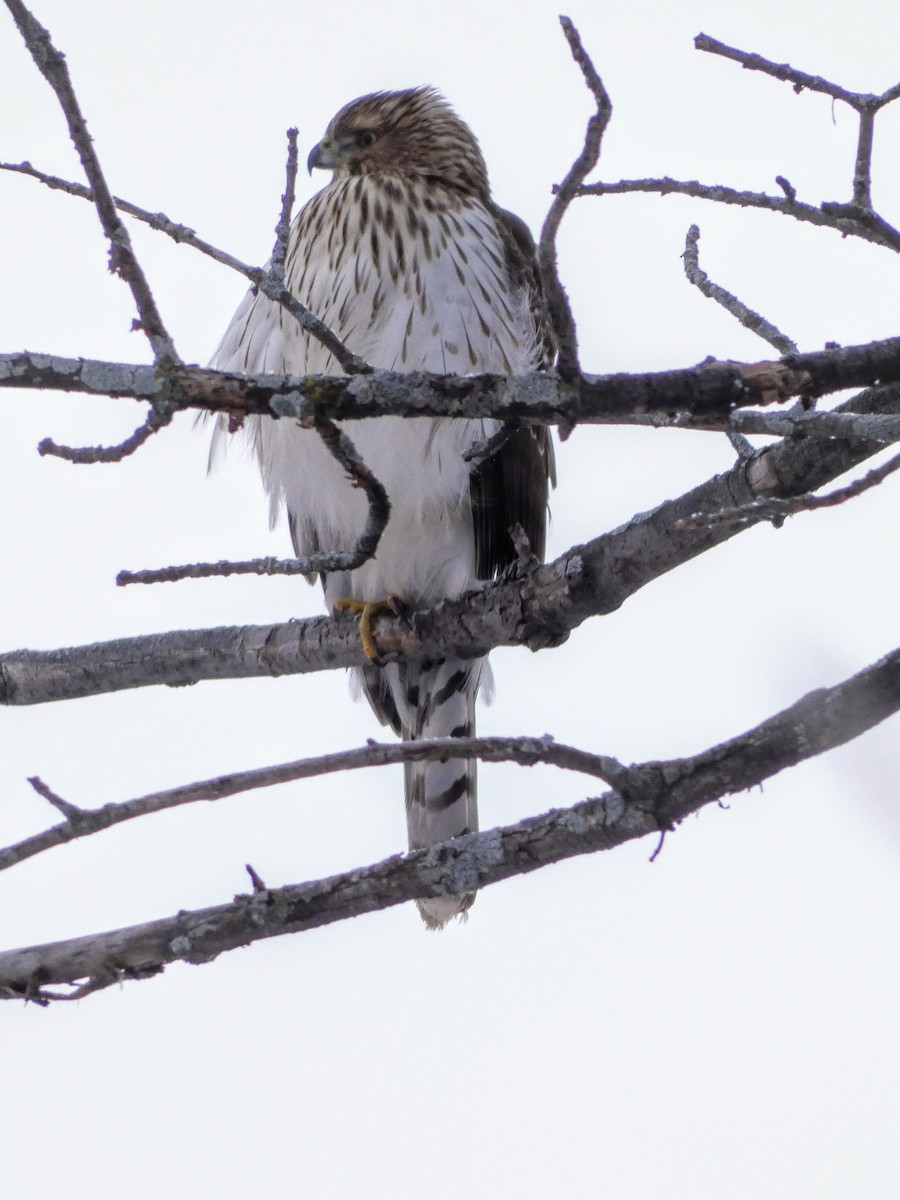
(322,155)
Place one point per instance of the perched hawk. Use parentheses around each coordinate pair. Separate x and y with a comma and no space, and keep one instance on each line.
(408,259)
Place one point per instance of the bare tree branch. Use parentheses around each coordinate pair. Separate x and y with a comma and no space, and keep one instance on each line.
(160,414)
(747,317)
(283,228)
(70,811)
(159,221)
(875,427)
(343,450)
(223,569)
(536,606)
(658,795)
(527,751)
(271,286)
(776,509)
(712,390)
(800,79)
(799,421)
(123,261)
(557,300)
(694,399)
(864,104)
(539,610)
(848,220)
(862,169)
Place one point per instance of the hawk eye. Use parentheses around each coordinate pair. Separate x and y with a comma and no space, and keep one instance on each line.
(366,138)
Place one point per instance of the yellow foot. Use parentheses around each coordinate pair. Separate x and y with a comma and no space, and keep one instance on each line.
(368,610)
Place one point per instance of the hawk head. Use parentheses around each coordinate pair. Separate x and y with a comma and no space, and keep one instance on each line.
(413,133)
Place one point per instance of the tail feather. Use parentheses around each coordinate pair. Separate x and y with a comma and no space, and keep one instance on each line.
(433,700)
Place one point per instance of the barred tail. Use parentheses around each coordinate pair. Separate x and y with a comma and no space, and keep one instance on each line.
(433,700)
(442,797)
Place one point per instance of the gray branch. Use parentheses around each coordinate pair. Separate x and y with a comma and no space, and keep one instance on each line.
(341,447)
(272,285)
(160,415)
(801,80)
(710,392)
(876,427)
(864,104)
(656,797)
(748,318)
(123,260)
(527,751)
(849,220)
(776,509)
(538,611)
(283,227)
(558,306)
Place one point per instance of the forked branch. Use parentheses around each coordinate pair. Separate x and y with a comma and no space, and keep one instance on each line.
(864,104)
(856,218)
(657,796)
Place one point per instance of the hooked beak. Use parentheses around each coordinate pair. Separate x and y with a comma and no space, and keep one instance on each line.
(322,155)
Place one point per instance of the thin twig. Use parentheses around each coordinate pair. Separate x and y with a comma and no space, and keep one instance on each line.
(123,260)
(255,879)
(160,415)
(182,234)
(876,427)
(862,169)
(755,62)
(847,219)
(526,751)
(70,811)
(558,304)
(342,449)
(223,569)
(873,427)
(776,509)
(283,228)
(276,291)
(747,317)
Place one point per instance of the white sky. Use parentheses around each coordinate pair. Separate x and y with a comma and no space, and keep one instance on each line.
(720,1023)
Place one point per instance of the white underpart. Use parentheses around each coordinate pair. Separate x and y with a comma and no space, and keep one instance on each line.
(427,551)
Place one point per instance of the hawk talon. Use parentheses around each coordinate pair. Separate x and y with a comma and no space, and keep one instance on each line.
(368,610)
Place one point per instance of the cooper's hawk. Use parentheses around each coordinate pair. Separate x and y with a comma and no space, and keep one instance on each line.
(408,259)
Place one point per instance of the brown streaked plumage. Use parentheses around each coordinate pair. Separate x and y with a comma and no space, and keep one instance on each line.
(407,257)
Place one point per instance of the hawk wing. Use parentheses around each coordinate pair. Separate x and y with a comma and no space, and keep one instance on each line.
(512,486)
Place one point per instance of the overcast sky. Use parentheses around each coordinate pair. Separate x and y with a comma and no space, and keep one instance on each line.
(721,1023)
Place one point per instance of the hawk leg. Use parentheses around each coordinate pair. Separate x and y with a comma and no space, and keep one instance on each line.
(368,610)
